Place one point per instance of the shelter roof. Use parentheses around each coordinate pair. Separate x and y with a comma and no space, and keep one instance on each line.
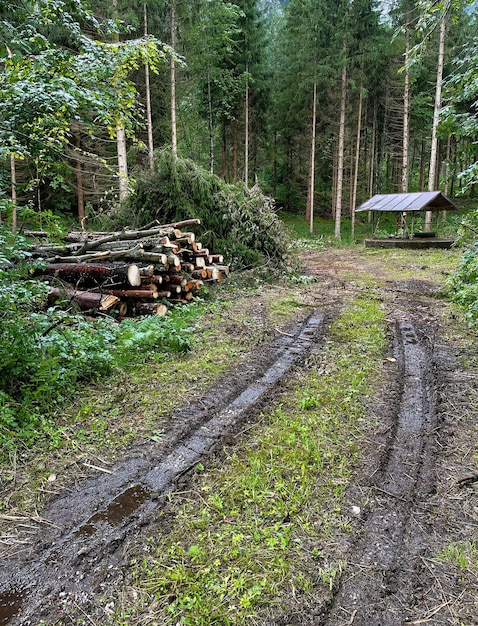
(404,202)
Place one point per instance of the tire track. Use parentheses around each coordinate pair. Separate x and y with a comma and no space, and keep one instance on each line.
(383,572)
(64,566)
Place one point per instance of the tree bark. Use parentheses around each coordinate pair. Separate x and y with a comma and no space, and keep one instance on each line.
(86,300)
(174,136)
(436,115)
(149,119)
(406,117)
(340,160)
(13,174)
(309,216)
(357,162)
(79,179)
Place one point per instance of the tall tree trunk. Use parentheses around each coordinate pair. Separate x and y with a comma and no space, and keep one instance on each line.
(174,138)
(122,160)
(13,175)
(309,214)
(224,151)
(406,117)
(121,142)
(436,114)
(357,163)
(79,180)
(211,124)
(246,131)
(149,120)
(371,174)
(234,152)
(447,169)
(421,183)
(340,158)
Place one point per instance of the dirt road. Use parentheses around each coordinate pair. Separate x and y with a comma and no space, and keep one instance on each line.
(412,498)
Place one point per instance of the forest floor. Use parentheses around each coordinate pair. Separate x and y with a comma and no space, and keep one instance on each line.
(385,533)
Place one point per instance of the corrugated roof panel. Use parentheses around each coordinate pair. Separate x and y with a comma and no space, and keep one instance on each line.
(404,202)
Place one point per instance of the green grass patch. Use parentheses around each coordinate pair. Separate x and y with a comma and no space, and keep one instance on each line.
(462,555)
(255,526)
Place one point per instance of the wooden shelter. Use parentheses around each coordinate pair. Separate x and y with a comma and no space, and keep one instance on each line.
(403,204)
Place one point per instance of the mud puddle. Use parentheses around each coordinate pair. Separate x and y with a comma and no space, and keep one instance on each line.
(69,562)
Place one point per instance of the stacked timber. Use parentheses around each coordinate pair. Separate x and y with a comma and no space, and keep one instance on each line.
(130,272)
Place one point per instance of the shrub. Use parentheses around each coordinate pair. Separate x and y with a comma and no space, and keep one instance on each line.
(464,282)
(239,223)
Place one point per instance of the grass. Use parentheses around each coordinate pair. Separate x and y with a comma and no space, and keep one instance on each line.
(253,525)
(135,403)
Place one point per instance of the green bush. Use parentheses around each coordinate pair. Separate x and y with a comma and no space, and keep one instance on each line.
(237,222)
(464,282)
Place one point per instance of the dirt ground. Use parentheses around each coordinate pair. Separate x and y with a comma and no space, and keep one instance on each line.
(414,496)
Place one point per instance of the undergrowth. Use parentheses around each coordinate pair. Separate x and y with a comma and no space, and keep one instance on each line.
(46,355)
(253,526)
(464,282)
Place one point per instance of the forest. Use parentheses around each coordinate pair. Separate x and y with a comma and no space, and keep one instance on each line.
(115,116)
(321,103)
(249,416)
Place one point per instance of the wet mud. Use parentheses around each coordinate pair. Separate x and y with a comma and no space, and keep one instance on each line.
(85,544)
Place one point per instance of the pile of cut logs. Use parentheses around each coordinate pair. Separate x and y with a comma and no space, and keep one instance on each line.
(130,272)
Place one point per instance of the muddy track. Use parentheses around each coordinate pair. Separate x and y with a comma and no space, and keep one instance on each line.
(380,587)
(89,527)
(385,575)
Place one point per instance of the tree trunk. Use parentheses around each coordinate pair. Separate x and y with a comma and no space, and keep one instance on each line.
(234,152)
(340,163)
(246,131)
(121,141)
(89,275)
(357,162)
(13,174)
(122,161)
(371,173)
(309,215)
(149,119)
(86,300)
(436,114)
(174,140)
(211,125)
(406,117)
(422,166)
(79,180)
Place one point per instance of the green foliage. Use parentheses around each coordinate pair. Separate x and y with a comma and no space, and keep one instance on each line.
(44,355)
(239,223)
(464,282)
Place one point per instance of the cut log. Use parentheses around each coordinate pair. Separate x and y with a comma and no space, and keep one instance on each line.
(147,294)
(193,285)
(146,271)
(86,300)
(157,279)
(216,258)
(213,273)
(199,262)
(199,273)
(88,275)
(133,235)
(149,308)
(177,279)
